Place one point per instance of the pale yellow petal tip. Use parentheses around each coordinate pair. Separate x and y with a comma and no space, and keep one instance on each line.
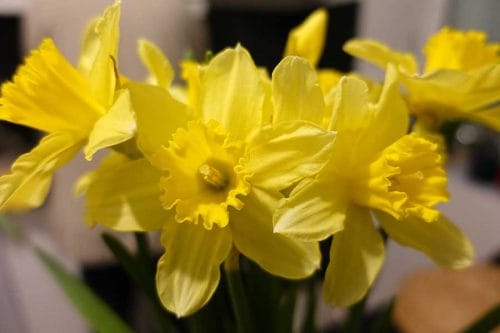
(467,258)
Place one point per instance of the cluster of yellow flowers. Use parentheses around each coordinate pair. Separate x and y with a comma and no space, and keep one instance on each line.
(238,161)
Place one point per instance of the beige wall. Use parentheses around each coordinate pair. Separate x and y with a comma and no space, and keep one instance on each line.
(172,24)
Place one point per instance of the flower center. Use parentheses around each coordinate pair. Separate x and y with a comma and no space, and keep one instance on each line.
(205,176)
(212,176)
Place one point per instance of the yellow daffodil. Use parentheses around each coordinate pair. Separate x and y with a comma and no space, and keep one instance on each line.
(461,78)
(75,107)
(212,177)
(374,167)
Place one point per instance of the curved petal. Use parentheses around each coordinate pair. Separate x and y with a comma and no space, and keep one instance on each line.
(296,93)
(441,240)
(253,235)
(89,47)
(124,195)
(350,108)
(367,128)
(188,273)
(160,70)
(102,76)
(380,54)
(158,114)
(307,40)
(48,94)
(356,256)
(29,182)
(116,126)
(232,92)
(313,212)
(450,94)
(281,156)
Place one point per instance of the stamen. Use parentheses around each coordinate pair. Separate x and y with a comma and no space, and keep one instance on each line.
(214,178)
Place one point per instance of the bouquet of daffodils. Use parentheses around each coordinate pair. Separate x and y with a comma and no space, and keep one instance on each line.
(246,172)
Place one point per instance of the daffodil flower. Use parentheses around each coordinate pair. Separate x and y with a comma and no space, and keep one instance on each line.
(212,177)
(76,107)
(460,80)
(375,167)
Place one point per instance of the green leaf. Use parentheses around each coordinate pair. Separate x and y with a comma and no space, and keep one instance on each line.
(98,315)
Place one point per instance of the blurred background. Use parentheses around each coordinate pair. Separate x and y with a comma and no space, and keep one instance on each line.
(31,302)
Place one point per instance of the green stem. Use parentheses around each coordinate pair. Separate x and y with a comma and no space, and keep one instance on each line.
(352,324)
(144,258)
(487,322)
(237,294)
(355,314)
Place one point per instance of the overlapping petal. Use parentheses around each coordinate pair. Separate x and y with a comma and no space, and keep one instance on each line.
(253,236)
(116,126)
(232,92)
(123,194)
(102,76)
(188,273)
(356,256)
(158,116)
(296,93)
(31,175)
(276,156)
(312,212)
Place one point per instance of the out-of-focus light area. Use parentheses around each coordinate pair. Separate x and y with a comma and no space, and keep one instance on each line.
(31,302)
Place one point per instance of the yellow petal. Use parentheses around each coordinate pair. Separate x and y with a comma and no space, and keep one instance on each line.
(380,54)
(48,94)
(267,105)
(296,92)
(253,236)
(356,256)
(279,157)
(350,108)
(367,127)
(391,114)
(124,195)
(158,114)
(188,273)
(307,40)
(232,92)
(29,182)
(160,70)
(102,76)
(116,126)
(313,212)
(450,94)
(441,240)
(191,74)
(328,79)
(89,47)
